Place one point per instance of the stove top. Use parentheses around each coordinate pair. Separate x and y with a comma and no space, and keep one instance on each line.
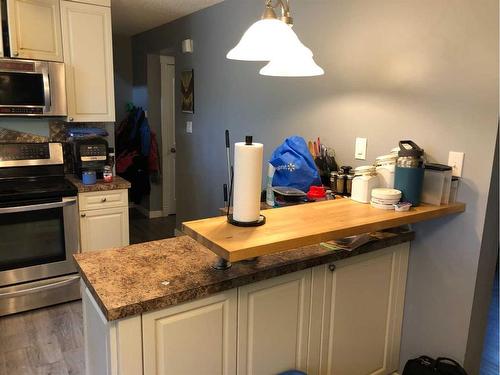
(32,171)
(22,189)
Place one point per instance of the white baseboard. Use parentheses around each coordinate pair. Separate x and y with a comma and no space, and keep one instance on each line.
(156,214)
(147,213)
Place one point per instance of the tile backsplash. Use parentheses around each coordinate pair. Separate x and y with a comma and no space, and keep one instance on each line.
(37,131)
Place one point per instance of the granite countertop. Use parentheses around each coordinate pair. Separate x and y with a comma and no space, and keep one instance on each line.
(158,274)
(117,183)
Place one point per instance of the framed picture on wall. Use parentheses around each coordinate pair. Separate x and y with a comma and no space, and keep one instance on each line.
(187,91)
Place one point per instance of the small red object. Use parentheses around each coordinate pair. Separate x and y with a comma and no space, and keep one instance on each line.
(316,192)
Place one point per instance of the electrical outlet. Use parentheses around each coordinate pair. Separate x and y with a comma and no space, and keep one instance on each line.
(360,149)
(456,161)
(189,126)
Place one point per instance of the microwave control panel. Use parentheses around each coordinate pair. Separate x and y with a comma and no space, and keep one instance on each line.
(21,110)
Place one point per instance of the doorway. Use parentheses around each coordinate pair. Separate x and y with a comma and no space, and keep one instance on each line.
(167,67)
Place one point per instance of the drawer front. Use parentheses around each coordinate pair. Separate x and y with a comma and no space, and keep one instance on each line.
(103,199)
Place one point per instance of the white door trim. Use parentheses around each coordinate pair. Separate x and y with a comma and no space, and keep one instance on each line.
(168,176)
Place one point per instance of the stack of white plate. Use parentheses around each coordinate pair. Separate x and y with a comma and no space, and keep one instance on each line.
(384,198)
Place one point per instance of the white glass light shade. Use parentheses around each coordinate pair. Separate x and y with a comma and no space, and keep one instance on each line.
(296,62)
(264,40)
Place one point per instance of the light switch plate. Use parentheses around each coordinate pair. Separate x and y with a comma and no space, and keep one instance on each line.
(360,149)
(189,126)
(456,161)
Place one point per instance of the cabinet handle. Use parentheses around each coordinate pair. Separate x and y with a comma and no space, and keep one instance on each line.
(103,200)
(83,215)
(331,267)
(70,119)
(16,54)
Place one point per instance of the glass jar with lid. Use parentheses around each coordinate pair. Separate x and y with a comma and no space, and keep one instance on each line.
(107,174)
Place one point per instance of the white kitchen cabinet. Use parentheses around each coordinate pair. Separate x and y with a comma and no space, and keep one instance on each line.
(35,29)
(273,324)
(103,220)
(88,56)
(363,310)
(193,338)
(342,318)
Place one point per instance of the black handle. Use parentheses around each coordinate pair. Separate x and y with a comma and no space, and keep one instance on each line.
(225,192)
(411,143)
(227,139)
(445,359)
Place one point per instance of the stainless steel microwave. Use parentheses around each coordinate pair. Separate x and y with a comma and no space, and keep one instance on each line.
(32,88)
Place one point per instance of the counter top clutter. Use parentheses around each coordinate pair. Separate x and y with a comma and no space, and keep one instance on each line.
(154,275)
(116,184)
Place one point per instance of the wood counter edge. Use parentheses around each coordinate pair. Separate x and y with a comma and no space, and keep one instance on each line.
(275,247)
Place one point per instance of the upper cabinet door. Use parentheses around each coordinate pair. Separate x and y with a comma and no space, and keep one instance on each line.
(35,29)
(88,54)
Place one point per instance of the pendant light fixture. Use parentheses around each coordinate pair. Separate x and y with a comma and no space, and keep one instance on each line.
(273,40)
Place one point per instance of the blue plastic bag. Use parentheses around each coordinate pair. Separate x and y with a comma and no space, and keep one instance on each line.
(294,165)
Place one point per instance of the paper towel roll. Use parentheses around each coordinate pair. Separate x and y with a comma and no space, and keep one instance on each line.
(247,181)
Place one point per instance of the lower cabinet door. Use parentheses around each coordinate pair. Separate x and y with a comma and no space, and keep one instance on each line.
(364,303)
(104,228)
(194,338)
(273,324)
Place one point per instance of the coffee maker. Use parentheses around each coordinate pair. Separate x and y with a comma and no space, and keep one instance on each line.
(89,154)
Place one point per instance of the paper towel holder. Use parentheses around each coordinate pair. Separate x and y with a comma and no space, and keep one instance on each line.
(257,223)
(230,219)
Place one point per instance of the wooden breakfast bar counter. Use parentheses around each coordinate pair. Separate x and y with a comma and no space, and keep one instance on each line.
(308,224)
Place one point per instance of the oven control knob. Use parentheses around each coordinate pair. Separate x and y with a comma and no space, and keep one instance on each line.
(83,215)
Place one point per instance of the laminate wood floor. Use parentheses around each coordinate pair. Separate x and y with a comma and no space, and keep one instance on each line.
(143,229)
(46,341)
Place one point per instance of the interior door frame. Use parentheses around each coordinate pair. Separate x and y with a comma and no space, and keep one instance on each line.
(167,135)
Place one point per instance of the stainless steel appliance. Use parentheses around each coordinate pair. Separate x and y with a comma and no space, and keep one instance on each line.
(32,88)
(39,228)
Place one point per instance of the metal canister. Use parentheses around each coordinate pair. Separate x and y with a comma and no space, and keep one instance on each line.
(341,179)
(333,181)
(348,184)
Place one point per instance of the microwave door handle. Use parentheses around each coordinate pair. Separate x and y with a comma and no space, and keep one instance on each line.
(38,207)
(46,89)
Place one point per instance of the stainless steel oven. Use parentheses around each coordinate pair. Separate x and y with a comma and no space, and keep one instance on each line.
(32,88)
(39,229)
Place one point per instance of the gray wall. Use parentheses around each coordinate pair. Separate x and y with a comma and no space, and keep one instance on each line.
(122,66)
(421,70)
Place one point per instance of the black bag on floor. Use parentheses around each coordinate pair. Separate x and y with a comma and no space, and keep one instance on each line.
(427,366)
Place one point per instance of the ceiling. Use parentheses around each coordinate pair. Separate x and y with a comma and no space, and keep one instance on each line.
(131,17)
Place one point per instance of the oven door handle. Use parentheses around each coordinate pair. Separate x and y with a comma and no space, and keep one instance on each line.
(40,288)
(36,207)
